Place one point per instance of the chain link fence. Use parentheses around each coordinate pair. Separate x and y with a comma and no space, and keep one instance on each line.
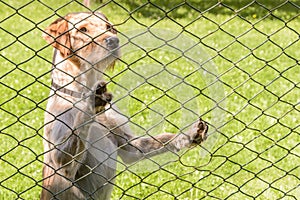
(234,63)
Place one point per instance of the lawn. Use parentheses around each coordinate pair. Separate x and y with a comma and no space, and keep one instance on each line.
(235,64)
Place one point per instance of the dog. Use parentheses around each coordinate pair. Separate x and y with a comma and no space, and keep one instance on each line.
(84,133)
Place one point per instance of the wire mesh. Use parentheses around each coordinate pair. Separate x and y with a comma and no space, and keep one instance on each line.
(235,64)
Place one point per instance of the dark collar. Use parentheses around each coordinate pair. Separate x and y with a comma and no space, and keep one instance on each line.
(66,91)
(61,88)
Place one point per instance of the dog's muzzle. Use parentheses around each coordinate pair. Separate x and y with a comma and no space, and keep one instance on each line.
(112,42)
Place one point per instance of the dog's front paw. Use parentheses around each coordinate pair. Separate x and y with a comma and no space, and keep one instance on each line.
(195,135)
(102,97)
(198,132)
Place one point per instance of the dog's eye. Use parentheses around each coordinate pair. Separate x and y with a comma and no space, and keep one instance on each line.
(83,29)
(110,28)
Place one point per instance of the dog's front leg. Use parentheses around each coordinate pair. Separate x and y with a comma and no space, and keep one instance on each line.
(67,141)
(136,148)
(66,153)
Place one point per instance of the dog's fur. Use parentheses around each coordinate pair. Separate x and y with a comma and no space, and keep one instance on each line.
(81,148)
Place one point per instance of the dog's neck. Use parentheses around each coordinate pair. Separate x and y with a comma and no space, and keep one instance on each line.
(75,76)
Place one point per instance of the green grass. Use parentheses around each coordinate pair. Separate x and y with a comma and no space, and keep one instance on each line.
(249,93)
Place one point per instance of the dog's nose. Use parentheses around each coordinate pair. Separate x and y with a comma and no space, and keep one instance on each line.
(112,42)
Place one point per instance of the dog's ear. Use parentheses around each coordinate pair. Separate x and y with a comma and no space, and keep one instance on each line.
(57,34)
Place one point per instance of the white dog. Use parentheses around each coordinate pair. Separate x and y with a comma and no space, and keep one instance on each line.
(81,148)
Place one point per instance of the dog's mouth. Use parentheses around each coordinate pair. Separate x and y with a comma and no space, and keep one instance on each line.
(116,53)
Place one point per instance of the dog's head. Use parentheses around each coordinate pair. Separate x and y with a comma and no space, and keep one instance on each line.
(84,38)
